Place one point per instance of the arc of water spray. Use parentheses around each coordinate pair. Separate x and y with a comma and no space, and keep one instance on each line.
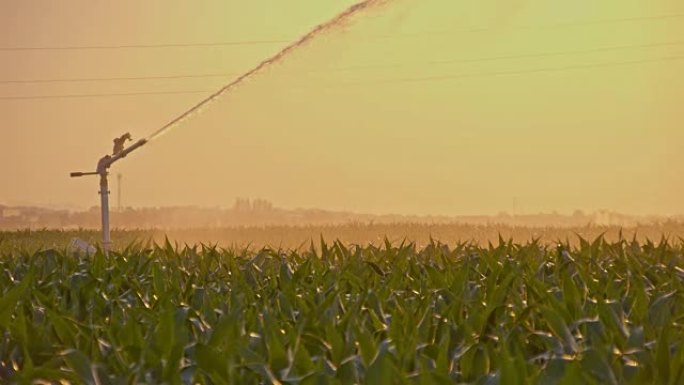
(318,30)
(106,162)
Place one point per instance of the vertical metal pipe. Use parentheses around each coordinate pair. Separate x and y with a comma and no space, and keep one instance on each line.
(104,199)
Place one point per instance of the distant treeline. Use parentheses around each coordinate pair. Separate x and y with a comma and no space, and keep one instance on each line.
(260,212)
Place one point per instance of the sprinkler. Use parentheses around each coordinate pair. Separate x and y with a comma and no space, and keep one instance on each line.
(119,143)
(102,170)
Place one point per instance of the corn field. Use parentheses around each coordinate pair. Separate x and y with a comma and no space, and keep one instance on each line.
(599,312)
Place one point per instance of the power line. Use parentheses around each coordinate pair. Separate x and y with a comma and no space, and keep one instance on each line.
(514,56)
(547,26)
(562,53)
(38,97)
(383,81)
(517,72)
(351,68)
(282,41)
(624,19)
(95,79)
(143,46)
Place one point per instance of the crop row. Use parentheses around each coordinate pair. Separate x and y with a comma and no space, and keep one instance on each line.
(600,313)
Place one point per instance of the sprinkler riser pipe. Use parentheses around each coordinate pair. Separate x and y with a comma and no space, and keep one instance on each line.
(104,206)
(102,168)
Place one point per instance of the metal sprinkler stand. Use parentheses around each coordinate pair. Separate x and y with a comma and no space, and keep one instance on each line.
(103,166)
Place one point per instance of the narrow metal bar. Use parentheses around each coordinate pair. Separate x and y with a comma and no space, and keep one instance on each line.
(104,200)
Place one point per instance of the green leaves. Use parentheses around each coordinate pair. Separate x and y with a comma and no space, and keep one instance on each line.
(10,299)
(662,357)
(560,329)
(507,314)
(81,366)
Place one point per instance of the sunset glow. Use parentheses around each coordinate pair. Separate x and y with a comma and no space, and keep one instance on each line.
(415,107)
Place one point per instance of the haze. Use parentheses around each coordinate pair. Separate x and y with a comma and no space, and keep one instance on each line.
(418,107)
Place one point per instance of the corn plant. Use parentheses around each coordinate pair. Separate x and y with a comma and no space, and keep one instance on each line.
(597,313)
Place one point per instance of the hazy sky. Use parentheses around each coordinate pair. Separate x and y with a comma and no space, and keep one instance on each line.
(421,106)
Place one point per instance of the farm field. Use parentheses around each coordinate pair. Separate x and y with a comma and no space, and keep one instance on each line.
(603,311)
(345,192)
(301,237)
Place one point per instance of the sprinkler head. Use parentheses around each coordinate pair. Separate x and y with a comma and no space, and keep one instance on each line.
(120,143)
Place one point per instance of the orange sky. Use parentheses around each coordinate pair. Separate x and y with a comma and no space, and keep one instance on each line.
(423,106)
